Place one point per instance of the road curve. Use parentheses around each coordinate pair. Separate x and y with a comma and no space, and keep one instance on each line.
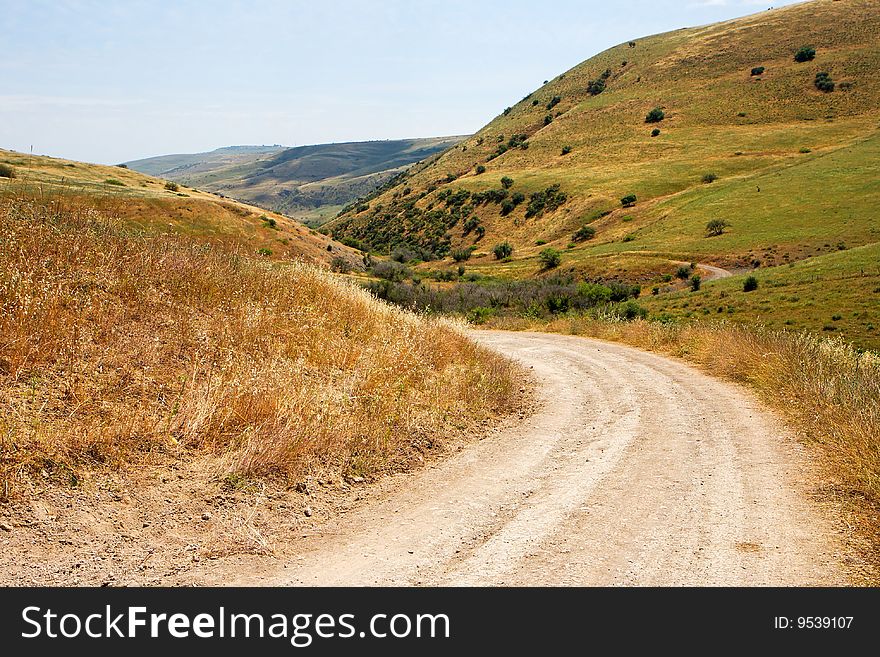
(636,470)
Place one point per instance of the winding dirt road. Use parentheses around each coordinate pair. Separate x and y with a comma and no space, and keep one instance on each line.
(636,470)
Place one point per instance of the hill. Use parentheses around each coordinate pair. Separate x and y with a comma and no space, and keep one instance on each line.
(743,134)
(154,205)
(310,183)
(179,164)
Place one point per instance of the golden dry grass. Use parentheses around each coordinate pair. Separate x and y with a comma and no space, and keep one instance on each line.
(115,345)
(827,389)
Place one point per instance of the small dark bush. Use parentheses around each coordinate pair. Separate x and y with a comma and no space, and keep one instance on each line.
(655,115)
(507,182)
(171,186)
(390,271)
(566,150)
(507,111)
(709,178)
(716,227)
(502,251)
(550,258)
(507,206)
(265,252)
(122,166)
(683,272)
(628,201)
(6,171)
(548,119)
(517,198)
(595,87)
(271,222)
(113,181)
(553,102)
(340,265)
(655,132)
(824,82)
(750,284)
(546,201)
(805,54)
(758,70)
(584,233)
(696,281)
(480,169)
(460,255)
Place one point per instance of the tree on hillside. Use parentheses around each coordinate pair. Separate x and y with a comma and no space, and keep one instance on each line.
(655,115)
(805,54)
(716,227)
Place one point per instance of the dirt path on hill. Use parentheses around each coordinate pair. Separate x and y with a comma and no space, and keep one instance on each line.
(636,470)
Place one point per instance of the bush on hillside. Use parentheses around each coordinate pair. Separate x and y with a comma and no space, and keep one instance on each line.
(709,178)
(502,251)
(683,272)
(750,284)
(172,186)
(480,169)
(716,227)
(6,171)
(584,233)
(460,255)
(824,82)
(696,281)
(548,120)
(655,115)
(550,258)
(340,265)
(507,182)
(595,87)
(758,70)
(545,201)
(628,201)
(805,54)
(566,150)
(553,102)
(655,132)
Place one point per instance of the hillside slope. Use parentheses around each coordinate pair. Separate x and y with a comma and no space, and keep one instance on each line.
(146,203)
(307,182)
(747,138)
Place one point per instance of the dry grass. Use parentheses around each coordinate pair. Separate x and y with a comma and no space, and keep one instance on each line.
(115,345)
(825,387)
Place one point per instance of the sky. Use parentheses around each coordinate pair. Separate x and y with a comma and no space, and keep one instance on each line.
(110,82)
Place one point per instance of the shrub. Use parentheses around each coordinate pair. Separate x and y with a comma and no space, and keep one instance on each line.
(696,281)
(340,265)
(716,227)
(595,87)
(655,132)
(390,271)
(584,233)
(265,252)
(655,115)
(683,272)
(171,186)
(507,207)
(548,119)
(460,255)
(805,54)
(805,150)
(630,311)
(758,70)
(750,284)
(507,182)
(545,201)
(113,181)
(507,111)
(550,258)
(628,201)
(566,150)
(518,198)
(553,102)
(502,251)
(824,82)
(709,178)
(6,171)
(480,169)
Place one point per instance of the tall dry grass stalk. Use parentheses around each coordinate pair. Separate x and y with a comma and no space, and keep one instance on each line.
(114,345)
(824,386)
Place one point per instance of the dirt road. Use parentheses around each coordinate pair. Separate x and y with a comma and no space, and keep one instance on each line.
(636,470)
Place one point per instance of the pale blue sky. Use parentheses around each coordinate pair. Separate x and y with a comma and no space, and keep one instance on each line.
(112,81)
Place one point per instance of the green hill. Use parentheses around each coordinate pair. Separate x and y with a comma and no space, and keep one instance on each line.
(749,137)
(310,183)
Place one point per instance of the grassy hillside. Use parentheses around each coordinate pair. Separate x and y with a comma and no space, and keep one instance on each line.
(310,183)
(791,170)
(147,203)
(121,347)
(179,164)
